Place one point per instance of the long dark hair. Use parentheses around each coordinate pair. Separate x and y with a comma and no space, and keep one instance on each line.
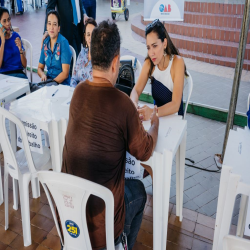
(89,21)
(158,28)
(3,10)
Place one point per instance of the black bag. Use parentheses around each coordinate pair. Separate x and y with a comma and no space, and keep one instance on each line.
(126,78)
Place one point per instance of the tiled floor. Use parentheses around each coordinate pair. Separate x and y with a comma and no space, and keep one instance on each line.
(195,232)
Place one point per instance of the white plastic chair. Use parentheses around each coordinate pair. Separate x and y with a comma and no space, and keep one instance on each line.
(138,64)
(231,242)
(27,46)
(188,82)
(230,187)
(22,167)
(74,57)
(71,194)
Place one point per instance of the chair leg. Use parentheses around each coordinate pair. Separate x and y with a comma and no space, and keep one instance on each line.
(15,194)
(1,187)
(25,209)
(228,211)
(35,188)
(6,197)
(242,216)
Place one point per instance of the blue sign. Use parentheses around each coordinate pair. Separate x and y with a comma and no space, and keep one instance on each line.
(72,228)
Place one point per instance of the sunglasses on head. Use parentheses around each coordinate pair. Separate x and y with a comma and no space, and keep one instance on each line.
(152,25)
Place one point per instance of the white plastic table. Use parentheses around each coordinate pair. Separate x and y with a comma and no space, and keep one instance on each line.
(171,142)
(237,157)
(8,94)
(52,115)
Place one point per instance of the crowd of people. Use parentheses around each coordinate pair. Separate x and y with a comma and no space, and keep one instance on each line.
(104,123)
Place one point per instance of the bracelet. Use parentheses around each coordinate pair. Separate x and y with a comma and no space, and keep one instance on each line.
(21,52)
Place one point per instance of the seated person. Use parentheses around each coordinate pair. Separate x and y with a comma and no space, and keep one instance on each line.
(55,54)
(166,69)
(83,67)
(12,55)
(97,140)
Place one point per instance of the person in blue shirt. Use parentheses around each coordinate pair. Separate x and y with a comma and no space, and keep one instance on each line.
(90,7)
(12,54)
(55,54)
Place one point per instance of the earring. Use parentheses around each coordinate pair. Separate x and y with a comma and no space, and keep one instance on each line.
(165,53)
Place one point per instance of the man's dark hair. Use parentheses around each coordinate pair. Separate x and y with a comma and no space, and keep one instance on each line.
(3,10)
(54,12)
(105,45)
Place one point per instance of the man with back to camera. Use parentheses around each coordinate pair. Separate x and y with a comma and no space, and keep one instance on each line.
(103,125)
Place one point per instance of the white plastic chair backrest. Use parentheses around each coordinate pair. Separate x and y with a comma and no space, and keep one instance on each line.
(27,46)
(138,64)
(70,194)
(74,57)
(188,82)
(231,242)
(9,155)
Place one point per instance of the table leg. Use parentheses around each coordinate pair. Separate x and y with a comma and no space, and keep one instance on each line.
(167,169)
(1,189)
(180,173)
(56,155)
(157,167)
(225,174)
(242,216)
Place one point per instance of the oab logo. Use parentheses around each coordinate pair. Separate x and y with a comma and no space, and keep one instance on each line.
(161,8)
(166,8)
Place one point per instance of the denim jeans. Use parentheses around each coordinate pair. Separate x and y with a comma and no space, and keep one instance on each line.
(135,199)
(19,5)
(20,75)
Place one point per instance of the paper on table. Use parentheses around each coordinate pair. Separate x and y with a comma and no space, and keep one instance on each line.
(7,82)
(67,102)
(57,91)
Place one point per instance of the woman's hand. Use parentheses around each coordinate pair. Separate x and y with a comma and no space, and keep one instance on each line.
(18,44)
(145,112)
(44,77)
(2,34)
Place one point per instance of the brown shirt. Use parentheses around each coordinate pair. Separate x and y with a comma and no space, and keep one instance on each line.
(103,125)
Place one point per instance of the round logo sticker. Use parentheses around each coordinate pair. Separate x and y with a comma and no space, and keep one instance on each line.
(72,228)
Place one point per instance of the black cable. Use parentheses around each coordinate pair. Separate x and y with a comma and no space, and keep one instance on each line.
(207,170)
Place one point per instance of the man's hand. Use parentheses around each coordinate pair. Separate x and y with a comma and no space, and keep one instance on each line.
(44,77)
(85,18)
(154,118)
(145,112)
